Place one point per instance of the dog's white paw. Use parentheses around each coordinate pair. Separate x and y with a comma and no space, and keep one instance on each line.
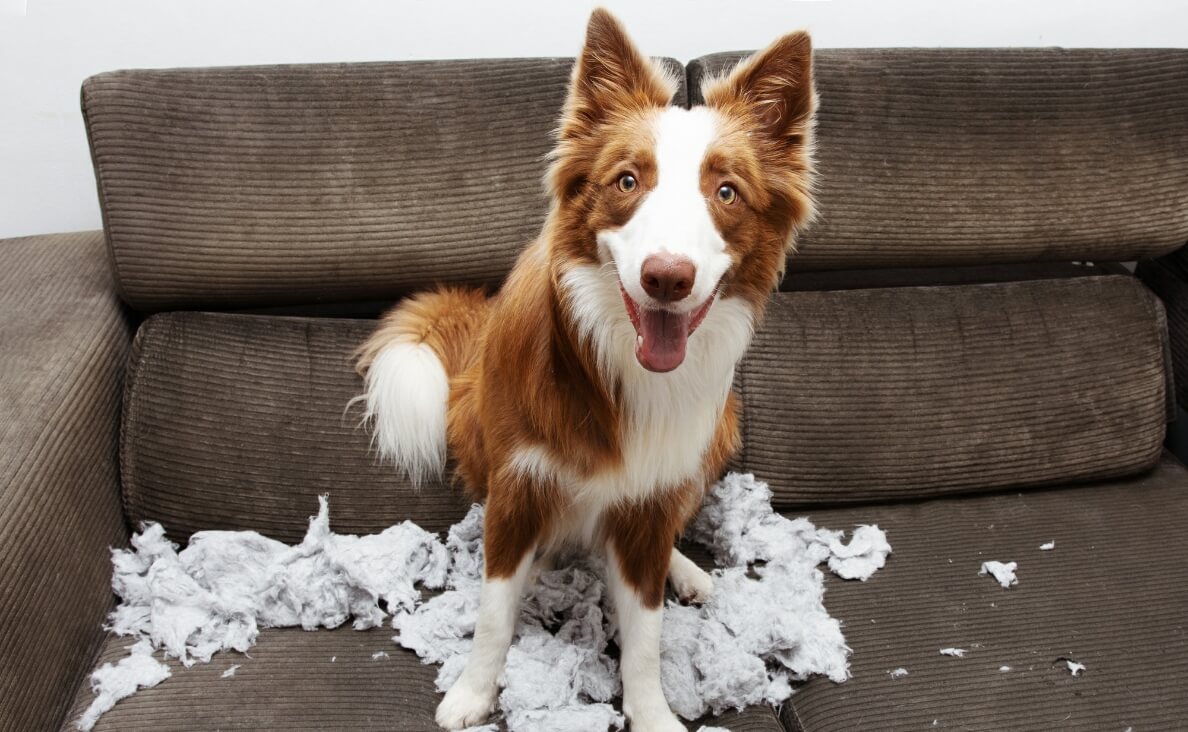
(656,720)
(465,706)
(692,584)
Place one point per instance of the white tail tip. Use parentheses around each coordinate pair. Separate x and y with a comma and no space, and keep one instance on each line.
(407,395)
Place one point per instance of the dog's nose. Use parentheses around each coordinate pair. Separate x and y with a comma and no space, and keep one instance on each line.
(667,277)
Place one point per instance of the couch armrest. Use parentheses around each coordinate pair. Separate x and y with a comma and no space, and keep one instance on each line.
(64,338)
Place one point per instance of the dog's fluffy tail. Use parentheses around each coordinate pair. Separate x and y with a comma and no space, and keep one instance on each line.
(406,367)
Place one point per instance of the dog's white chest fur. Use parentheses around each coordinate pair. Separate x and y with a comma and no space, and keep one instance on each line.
(669,419)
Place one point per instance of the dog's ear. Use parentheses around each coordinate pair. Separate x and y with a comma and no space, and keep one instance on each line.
(774,87)
(610,77)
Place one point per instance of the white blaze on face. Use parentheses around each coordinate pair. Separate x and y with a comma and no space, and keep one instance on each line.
(674,219)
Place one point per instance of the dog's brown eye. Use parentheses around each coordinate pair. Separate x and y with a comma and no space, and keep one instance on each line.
(627,183)
(727,195)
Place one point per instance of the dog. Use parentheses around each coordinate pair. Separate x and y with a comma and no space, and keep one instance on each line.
(589,401)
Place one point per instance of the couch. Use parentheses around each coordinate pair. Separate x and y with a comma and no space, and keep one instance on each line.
(956,354)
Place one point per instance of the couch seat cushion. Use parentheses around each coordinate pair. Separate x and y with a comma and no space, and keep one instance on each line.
(1111,595)
(297,680)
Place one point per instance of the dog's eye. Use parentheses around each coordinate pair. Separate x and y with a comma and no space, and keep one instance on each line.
(727,195)
(627,183)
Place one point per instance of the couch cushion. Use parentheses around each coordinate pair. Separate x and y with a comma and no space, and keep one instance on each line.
(962,156)
(276,185)
(904,392)
(1111,595)
(297,680)
(240,422)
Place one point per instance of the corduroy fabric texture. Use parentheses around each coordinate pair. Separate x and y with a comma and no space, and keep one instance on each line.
(860,279)
(241,422)
(933,157)
(63,342)
(1110,595)
(294,680)
(866,395)
(1168,278)
(281,185)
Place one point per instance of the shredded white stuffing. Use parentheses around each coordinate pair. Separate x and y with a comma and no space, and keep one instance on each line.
(956,652)
(112,682)
(1075,668)
(230,671)
(1004,669)
(898,673)
(866,553)
(763,627)
(378,655)
(1004,573)
(1047,547)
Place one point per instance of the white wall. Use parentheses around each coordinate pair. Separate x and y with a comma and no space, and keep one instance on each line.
(47,47)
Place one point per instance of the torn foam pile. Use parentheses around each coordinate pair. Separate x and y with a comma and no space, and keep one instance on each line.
(763,627)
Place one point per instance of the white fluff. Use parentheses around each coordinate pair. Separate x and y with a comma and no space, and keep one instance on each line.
(763,627)
(866,553)
(1075,668)
(1049,546)
(955,652)
(230,671)
(406,399)
(1004,573)
(112,682)
(898,673)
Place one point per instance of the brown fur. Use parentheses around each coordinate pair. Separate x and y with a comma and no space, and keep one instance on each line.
(520,376)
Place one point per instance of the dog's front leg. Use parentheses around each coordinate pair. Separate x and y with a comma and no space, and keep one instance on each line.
(516,515)
(472,697)
(636,580)
(691,583)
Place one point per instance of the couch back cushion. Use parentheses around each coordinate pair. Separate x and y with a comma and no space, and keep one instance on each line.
(885,394)
(241,421)
(291,185)
(933,157)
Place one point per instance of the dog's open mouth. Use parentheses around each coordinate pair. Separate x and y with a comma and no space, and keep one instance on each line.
(661,336)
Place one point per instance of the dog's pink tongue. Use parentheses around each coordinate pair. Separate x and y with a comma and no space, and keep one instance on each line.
(663,335)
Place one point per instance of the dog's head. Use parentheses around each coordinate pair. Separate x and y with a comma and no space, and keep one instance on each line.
(686,205)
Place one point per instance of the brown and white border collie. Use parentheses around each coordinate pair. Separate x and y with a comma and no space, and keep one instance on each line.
(589,402)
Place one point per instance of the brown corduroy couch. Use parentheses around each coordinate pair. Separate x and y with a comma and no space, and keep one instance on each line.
(956,355)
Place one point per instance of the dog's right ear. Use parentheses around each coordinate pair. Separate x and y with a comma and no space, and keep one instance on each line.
(610,77)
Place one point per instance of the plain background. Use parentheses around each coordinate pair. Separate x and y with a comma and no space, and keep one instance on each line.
(48,47)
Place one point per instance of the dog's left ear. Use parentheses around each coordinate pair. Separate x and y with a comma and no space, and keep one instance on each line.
(775,87)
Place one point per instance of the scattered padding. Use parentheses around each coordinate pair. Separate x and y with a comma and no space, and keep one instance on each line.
(1003,572)
(763,627)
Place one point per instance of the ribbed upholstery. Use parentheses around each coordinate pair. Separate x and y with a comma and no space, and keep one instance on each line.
(935,157)
(63,343)
(1111,596)
(907,392)
(294,680)
(858,279)
(279,185)
(241,422)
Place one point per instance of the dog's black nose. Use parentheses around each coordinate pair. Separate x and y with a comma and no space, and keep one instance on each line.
(667,277)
